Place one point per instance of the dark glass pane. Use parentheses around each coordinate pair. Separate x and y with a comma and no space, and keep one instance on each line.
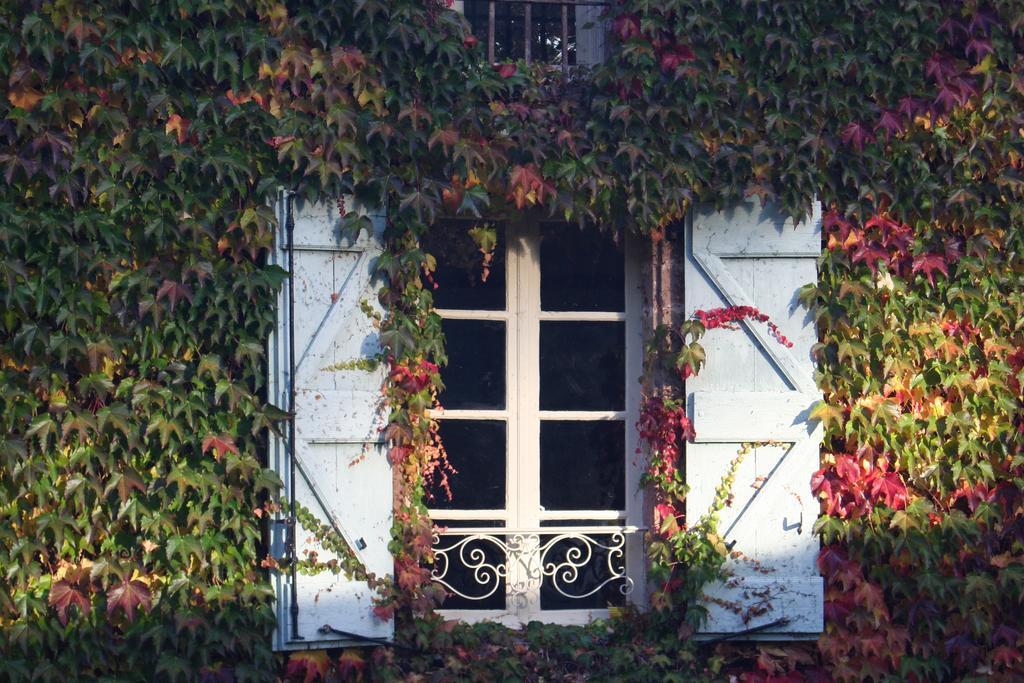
(546,34)
(582,365)
(581,270)
(508,27)
(475,374)
(563,589)
(476,451)
(464,563)
(460,269)
(583,465)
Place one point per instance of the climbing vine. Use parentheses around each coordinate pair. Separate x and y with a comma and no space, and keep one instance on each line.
(139,144)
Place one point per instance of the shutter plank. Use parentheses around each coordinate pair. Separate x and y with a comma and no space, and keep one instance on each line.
(743,416)
(751,229)
(350,415)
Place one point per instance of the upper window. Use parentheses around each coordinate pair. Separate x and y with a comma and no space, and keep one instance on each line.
(563,32)
(543,358)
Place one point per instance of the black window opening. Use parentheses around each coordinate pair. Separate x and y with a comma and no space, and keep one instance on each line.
(534,30)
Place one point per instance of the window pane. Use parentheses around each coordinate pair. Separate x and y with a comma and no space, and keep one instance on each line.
(508,27)
(561,590)
(459,274)
(475,374)
(582,365)
(583,465)
(581,270)
(476,450)
(546,34)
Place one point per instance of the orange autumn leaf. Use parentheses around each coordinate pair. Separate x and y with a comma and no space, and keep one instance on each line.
(25,98)
(220,445)
(178,126)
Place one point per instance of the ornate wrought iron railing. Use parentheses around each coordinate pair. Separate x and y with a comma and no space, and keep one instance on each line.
(522,560)
(494,27)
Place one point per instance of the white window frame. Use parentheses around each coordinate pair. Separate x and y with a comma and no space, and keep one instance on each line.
(523,514)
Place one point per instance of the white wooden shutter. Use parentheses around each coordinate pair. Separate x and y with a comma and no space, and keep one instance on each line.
(341,472)
(755,389)
(591,35)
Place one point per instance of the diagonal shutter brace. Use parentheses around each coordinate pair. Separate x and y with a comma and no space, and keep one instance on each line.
(355,544)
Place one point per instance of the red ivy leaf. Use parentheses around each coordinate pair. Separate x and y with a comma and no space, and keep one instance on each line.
(129,595)
(891,489)
(856,135)
(951,27)
(64,595)
(666,519)
(839,607)
(982,22)
(910,106)
(672,58)
(278,140)
(220,445)
(527,186)
(955,91)
(831,559)
(631,90)
(565,138)
(948,96)
(446,136)
(967,88)
(939,67)
(870,254)
(1006,656)
(505,70)
(847,468)
(890,122)
(349,57)
(979,47)
(928,264)
(174,292)
(310,666)
(626,26)
(384,612)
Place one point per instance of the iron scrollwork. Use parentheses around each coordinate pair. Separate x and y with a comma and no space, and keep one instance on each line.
(529,557)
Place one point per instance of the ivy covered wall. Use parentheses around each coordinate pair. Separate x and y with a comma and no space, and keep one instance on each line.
(139,143)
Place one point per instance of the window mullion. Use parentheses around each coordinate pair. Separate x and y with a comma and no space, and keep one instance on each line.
(527,511)
(528,376)
(513,260)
